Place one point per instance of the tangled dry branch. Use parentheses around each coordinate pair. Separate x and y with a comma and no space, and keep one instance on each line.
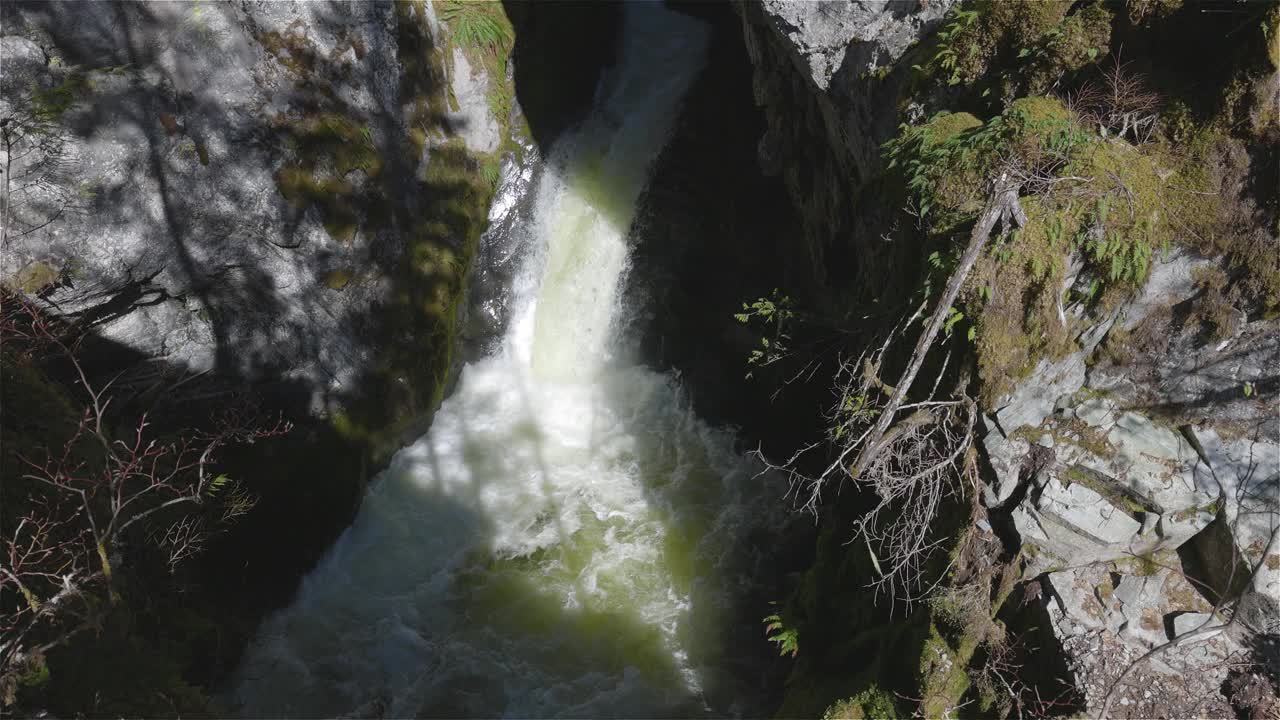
(912,455)
(1121,103)
(83,501)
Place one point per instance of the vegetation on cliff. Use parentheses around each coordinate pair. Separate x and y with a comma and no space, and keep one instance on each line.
(1119,156)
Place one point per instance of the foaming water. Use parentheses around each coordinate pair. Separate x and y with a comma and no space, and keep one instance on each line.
(568,537)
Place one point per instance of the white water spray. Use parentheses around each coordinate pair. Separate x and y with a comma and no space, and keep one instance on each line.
(559,543)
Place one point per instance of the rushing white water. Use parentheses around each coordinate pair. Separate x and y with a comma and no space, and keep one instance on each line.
(566,539)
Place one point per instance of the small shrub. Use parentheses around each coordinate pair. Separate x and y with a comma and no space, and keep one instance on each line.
(1036,43)
(1121,103)
(774,315)
(870,704)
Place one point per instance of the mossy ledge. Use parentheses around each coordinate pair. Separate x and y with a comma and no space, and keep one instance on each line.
(346,167)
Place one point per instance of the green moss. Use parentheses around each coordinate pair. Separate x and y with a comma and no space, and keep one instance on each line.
(333,197)
(51,104)
(480,27)
(487,35)
(1271,34)
(1149,564)
(1185,514)
(1083,39)
(1013,293)
(1131,213)
(294,50)
(1038,117)
(329,141)
(420,316)
(871,704)
(1142,12)
(1118,497)
(326,148)
(35,675)
(36,276)
(1083,435)
(1206,214)
(338,279)
(941,676)
(1121,208)
(947,125)
(945,163)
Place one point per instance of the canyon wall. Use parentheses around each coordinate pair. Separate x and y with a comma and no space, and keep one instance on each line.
(1131,471)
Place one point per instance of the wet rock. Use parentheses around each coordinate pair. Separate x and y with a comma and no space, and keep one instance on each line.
(502,247)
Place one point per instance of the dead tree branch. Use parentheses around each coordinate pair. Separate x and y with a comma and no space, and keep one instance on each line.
(1002,206)
(67,538)
(912,454)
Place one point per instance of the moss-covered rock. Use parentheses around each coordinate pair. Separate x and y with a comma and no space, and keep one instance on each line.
(36,276)
(870,704)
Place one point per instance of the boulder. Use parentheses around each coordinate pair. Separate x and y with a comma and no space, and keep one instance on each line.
(1106,617)
(849,36)
(186,218)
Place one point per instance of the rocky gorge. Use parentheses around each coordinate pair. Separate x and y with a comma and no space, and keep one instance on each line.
(331,207)
(1136,491)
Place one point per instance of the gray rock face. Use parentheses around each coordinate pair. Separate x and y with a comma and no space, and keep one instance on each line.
(172,220)
(1179,371)
(473,121)
(1033,401)
(1009,457)
(853,36)
(1169,281)
(1159,451)
(824,73)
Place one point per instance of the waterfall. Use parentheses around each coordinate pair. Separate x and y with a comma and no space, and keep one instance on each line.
(568,537)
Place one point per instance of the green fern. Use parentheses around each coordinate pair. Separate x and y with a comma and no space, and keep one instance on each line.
(218,484)
(787,639)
